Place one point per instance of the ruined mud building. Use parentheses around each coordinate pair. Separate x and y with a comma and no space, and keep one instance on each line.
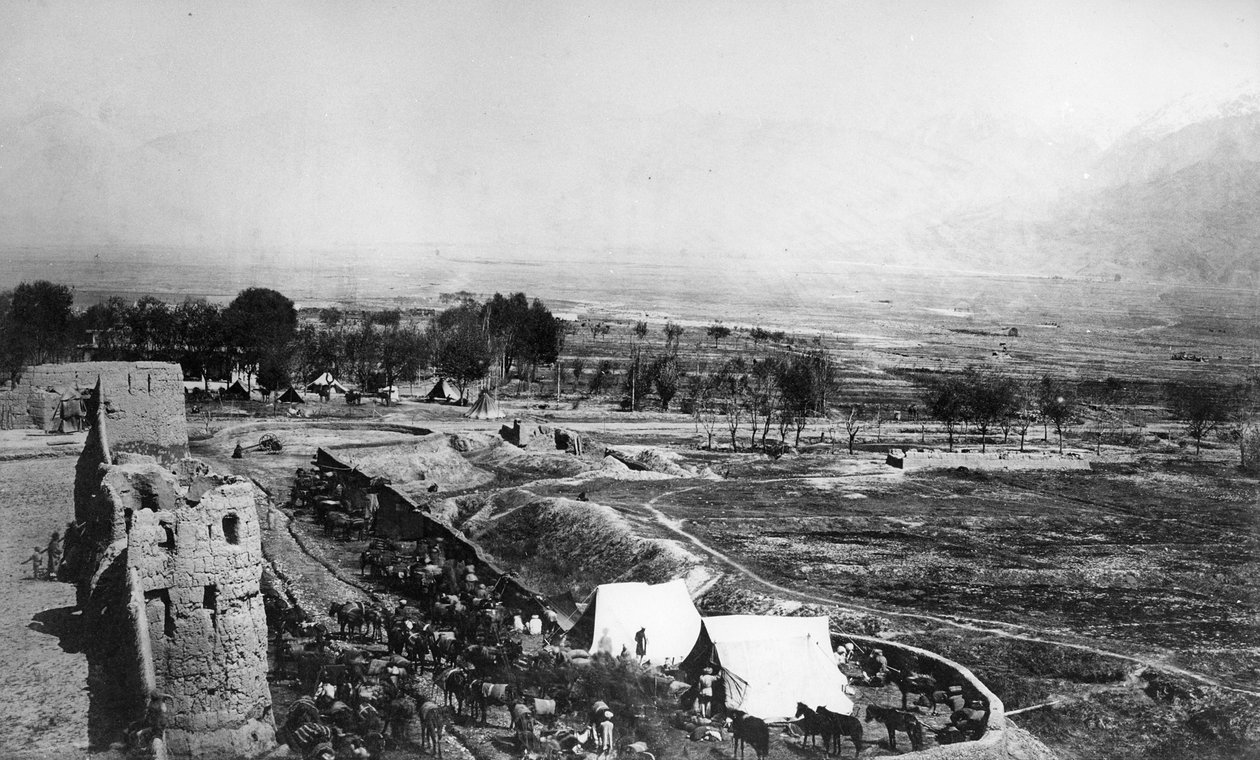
(167,559)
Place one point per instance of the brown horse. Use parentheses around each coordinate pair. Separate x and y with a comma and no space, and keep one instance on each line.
(837,725)
(349,616)
(894,721)
(746,730)
(434,720)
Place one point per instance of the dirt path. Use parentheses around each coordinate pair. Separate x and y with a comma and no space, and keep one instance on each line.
(992,627)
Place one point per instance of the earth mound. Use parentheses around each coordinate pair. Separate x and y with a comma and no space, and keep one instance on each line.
(432,460)
(557,542)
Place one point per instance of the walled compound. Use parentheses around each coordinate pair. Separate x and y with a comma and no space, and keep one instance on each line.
(167,559)
(145,408)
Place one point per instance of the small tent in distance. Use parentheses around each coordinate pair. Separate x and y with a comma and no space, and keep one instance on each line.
(486,408)
(291,396)
(618,610)
(326,385)
(235,392)
(443,390)
(769,663)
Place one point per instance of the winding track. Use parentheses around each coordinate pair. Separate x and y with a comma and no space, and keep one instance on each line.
(992,627)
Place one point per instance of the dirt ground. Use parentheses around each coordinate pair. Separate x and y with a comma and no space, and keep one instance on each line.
(1151,559)
(43,692)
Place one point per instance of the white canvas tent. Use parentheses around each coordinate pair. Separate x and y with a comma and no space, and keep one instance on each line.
(769,663)
(326,380)
(665,610)
(486,408)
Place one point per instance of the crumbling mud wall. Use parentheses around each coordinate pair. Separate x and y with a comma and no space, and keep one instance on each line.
(927,459)
(144,405)
(167,563)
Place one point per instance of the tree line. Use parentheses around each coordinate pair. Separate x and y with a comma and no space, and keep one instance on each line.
(258,333)
(781,391)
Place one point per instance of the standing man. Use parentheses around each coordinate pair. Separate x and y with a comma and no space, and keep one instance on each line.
(54,554)
(640,643)
(707,679)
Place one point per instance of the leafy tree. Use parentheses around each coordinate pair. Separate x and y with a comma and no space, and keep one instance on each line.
(259,325)
(576,367)
(763,395)
(701,391)
(386,318)
(665,375)
(461,354)
(946,400)
(107,327)
(673,335)
(362,352)
(39,325)
(198,329)
(637,380)
(1058,405)
(151,324)
(1201,407)
(989,398)
(403,350)
(641,329)
(331,316)
(718,332)
(1025,411)
(797,390)
(758,335)
(601,375)
(10,352)
(732,384)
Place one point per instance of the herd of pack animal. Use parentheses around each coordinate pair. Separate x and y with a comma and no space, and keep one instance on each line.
(367,697)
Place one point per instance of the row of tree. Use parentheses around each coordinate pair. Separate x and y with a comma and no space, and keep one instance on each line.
(258,333)
(986,399)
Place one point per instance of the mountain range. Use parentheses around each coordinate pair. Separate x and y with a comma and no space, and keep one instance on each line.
(1174,198)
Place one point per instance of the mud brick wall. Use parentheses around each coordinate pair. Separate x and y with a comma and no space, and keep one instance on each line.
(924,459)
(144,402)
(13,414)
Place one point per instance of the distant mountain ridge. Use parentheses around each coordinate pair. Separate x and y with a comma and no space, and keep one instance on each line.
(1173,199)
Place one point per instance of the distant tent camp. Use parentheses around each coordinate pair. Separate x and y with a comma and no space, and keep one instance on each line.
(326,381)
(235,392)
(444,391)
(486,408)
(291,396)
(769,663)
(618,610)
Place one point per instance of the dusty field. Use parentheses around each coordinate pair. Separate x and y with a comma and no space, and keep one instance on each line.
(43,694)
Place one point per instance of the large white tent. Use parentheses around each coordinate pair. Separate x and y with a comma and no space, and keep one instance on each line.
(769,663)
(326,380)
(665,610)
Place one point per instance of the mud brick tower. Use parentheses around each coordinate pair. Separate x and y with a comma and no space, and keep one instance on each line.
(167,559)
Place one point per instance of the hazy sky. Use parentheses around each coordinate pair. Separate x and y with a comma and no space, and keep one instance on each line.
(589,125)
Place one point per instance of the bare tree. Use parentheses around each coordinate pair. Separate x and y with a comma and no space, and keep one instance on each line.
(853,425)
